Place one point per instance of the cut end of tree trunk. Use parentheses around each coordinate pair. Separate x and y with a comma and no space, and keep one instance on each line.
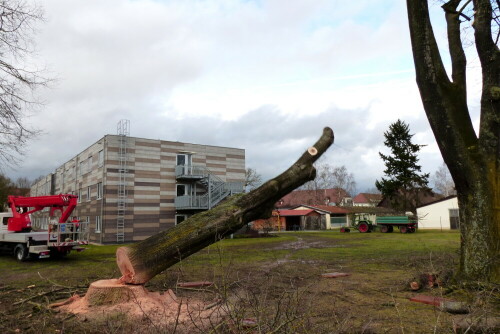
(127,270)
(312,151)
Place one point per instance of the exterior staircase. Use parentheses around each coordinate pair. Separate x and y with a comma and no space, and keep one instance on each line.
(208,189)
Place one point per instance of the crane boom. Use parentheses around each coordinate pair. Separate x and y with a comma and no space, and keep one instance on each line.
(22,207)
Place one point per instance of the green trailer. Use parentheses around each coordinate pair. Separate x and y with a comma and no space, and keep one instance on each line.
(386,224)
(404,223)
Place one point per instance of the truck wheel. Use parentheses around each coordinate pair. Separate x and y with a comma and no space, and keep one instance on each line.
(363,227)
(403,229)
(384,228)
(21,252)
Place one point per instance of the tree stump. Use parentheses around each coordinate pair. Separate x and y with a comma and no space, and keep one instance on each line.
(112,291)
(141,261)
(111,297)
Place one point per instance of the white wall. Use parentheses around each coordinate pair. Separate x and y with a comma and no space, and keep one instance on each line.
(437,215)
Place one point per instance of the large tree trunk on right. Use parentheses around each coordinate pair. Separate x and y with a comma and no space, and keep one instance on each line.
(474,162)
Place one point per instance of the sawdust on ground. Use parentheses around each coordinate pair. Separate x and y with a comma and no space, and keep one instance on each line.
(159,309)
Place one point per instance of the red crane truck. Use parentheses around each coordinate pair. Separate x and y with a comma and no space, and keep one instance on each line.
(61,236)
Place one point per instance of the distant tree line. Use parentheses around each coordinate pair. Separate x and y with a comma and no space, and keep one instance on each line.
(8,187)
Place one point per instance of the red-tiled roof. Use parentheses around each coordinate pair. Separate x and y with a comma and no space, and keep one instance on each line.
(312,197)
(367,198)
(349,209)
(331,209)
(288,213)
(424,197)
(437,201)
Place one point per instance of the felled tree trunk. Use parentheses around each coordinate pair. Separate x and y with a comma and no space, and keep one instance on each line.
(142,261)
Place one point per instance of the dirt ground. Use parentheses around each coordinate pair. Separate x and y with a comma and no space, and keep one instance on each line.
(269,285)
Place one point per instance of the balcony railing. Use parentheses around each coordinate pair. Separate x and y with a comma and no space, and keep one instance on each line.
(191,171)
(191,202)
(208,201)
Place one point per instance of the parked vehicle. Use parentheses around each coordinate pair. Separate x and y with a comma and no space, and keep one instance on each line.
(363,224)
(403,223)
(386,224)
(61,236)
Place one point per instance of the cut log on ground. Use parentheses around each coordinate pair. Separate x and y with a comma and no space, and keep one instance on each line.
(142,261)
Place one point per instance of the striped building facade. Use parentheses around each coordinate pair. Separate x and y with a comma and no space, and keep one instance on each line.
(130,188)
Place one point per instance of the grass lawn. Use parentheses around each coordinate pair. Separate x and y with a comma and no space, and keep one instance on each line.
(276,281)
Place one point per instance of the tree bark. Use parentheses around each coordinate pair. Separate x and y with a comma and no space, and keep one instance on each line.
(142,261)
(473,161)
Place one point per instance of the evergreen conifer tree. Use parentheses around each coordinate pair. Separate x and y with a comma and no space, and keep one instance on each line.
(404,180)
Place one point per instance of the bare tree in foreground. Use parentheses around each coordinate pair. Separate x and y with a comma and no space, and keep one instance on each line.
(142,261)
(18,79)
(473,160)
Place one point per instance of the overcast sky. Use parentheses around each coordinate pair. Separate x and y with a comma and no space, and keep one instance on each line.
(263,75)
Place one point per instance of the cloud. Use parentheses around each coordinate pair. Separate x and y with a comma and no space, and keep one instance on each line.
(265,76)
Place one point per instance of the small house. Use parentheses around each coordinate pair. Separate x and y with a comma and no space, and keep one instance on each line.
(290,220)
(442,214)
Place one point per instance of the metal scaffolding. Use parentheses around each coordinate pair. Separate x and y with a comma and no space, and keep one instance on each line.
(123,131)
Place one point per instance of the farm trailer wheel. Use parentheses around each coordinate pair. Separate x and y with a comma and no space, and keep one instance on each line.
(364,227)
(403,229)
(384,228)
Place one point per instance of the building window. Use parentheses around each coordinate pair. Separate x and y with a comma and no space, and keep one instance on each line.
(98,224)
(182,189)
(99,190)
(88,193)
(454,219)
(184,159)
(80,195)
(89,165)
(180,218)
(183,164)
(63,180)
(100,160)
(80,172)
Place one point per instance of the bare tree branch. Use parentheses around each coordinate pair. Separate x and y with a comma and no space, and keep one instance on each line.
(458,59)
(18,81)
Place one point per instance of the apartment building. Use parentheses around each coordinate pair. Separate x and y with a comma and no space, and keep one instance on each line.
(131,188)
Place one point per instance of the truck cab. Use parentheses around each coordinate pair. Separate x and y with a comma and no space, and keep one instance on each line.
(4,218)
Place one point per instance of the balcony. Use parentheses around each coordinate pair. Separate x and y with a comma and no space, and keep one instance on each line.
(207,201)
(192,172)
(192,202)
